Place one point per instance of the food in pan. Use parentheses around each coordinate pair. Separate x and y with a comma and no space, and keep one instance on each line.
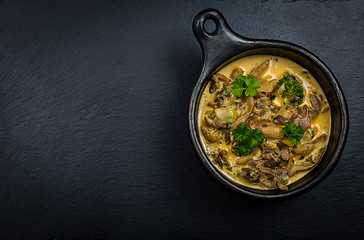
(264,121)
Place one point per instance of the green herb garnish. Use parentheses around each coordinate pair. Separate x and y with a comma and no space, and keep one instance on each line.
(227,91)
(312,134)
(229,168)
(218,129)
(253,173)
(291,86)
(228,125)
(245,84)
(247,140)
(279,160)
(295,133)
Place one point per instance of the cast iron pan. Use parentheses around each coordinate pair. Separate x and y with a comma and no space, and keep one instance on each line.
(223,46)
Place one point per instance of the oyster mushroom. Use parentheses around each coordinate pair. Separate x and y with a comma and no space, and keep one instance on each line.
(210,134)
(236,72)
(258,71)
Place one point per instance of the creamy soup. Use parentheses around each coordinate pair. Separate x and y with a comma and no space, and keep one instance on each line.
(264,122)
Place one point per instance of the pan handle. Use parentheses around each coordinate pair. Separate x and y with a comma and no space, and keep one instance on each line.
(219,44)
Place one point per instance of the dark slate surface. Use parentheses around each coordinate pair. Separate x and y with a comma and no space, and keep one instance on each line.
(93,122)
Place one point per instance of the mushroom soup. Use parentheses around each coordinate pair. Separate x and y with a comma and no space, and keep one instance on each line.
(264,121)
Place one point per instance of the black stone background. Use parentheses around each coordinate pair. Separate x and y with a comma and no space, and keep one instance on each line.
(94,140)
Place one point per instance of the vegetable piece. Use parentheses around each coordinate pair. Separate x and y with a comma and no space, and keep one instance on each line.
(245,84)
(289,86)
(225,115)
(227,91)
(293,132)
(247,140)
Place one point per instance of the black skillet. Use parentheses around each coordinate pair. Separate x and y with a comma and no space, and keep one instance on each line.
(224,46)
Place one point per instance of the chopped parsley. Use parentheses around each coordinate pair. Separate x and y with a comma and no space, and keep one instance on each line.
(229,168)
(245,84)
(288,86)
(295,133)
(247,140)
(253,173)
(228,125)
(218,130)
(279,160)
(227,91)
(312,134)
(273,97)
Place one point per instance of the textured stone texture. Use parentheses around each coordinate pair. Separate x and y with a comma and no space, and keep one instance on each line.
(93,122)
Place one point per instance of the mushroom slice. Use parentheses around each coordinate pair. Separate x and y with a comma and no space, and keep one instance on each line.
(262,101)
(250,174)
(272,131)
(277,181)
(294,98)
(219,124)
(242,160)
(225,80)
(236,72)
(227,136)
(269,162)
(320,138)
(210,134)
(303,117)
(258,71)
(319,155)
(305,149)
(215,84)
(279,119)
(221,158)
(286,112)
(300,168)
(246,108)
(315,103)
(266,182)
(302,165)
(325,109)
(209,121)
(284,151)
(268,86)
(269,129)
(281,186)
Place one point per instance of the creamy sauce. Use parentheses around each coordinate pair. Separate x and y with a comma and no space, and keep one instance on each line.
(277,67)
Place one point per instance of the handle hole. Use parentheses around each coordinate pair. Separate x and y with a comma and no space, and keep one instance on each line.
(210,27)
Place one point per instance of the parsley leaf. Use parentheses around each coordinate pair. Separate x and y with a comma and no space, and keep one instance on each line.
(245,84)
(243,149)
(247,140)
(238,87)
(293,132)
(257,138)
(241,133)
(290,85)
